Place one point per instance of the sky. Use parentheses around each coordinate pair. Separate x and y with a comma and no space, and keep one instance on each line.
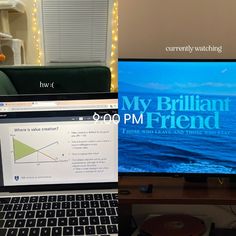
(215,78)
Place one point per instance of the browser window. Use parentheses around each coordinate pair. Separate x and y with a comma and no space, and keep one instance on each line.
(52,142)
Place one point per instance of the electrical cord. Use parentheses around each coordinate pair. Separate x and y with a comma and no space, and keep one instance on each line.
(232,210)
(232,223)
(134,223)
(221,181)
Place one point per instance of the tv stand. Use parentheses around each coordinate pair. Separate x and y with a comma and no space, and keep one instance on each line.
(196,179)
(171,191)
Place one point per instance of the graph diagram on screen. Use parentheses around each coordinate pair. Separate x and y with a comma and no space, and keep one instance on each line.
(37,144)
(24,153)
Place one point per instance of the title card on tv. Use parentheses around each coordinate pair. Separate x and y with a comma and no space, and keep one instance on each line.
(177,117)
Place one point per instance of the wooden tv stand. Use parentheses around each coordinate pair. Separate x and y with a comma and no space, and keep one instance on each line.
(167,190)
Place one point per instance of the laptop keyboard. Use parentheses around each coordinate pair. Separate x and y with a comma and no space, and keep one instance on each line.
(56,215)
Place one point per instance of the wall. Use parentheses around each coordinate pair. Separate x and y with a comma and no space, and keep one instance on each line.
(147,27)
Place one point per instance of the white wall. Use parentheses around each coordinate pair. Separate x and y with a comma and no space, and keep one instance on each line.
(147,27)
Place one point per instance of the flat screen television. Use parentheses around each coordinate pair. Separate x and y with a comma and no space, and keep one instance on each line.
(177,117)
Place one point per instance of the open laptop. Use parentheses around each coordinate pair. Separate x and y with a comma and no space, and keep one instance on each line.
(58,165)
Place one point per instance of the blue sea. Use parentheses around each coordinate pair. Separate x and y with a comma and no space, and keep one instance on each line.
(156,150)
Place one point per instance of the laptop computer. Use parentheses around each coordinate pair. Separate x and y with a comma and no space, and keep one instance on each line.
(58,165)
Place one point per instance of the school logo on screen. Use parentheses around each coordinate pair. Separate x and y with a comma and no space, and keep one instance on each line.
(16,178)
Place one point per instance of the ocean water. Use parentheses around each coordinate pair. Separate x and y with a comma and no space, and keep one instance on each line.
(156,150)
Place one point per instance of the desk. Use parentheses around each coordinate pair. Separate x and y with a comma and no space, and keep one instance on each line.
(172,191)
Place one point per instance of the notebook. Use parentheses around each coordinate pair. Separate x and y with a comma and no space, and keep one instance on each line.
(58,165)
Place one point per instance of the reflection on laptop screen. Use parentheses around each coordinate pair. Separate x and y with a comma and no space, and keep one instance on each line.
(58,142)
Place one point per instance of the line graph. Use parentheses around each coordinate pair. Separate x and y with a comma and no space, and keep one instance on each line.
(26,153)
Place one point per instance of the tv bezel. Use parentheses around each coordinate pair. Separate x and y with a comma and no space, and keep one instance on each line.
(164,174)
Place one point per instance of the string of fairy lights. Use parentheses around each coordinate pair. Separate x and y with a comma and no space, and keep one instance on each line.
(36,33)
(114,49)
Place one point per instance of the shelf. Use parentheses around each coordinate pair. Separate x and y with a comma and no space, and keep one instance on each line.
(5,36)
(12,6)
(168,190)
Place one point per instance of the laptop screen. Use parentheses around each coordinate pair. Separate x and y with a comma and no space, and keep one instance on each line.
(58,140)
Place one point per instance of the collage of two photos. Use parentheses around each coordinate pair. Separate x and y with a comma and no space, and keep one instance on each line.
(117,118)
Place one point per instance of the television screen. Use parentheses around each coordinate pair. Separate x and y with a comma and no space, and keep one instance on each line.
(177,117)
